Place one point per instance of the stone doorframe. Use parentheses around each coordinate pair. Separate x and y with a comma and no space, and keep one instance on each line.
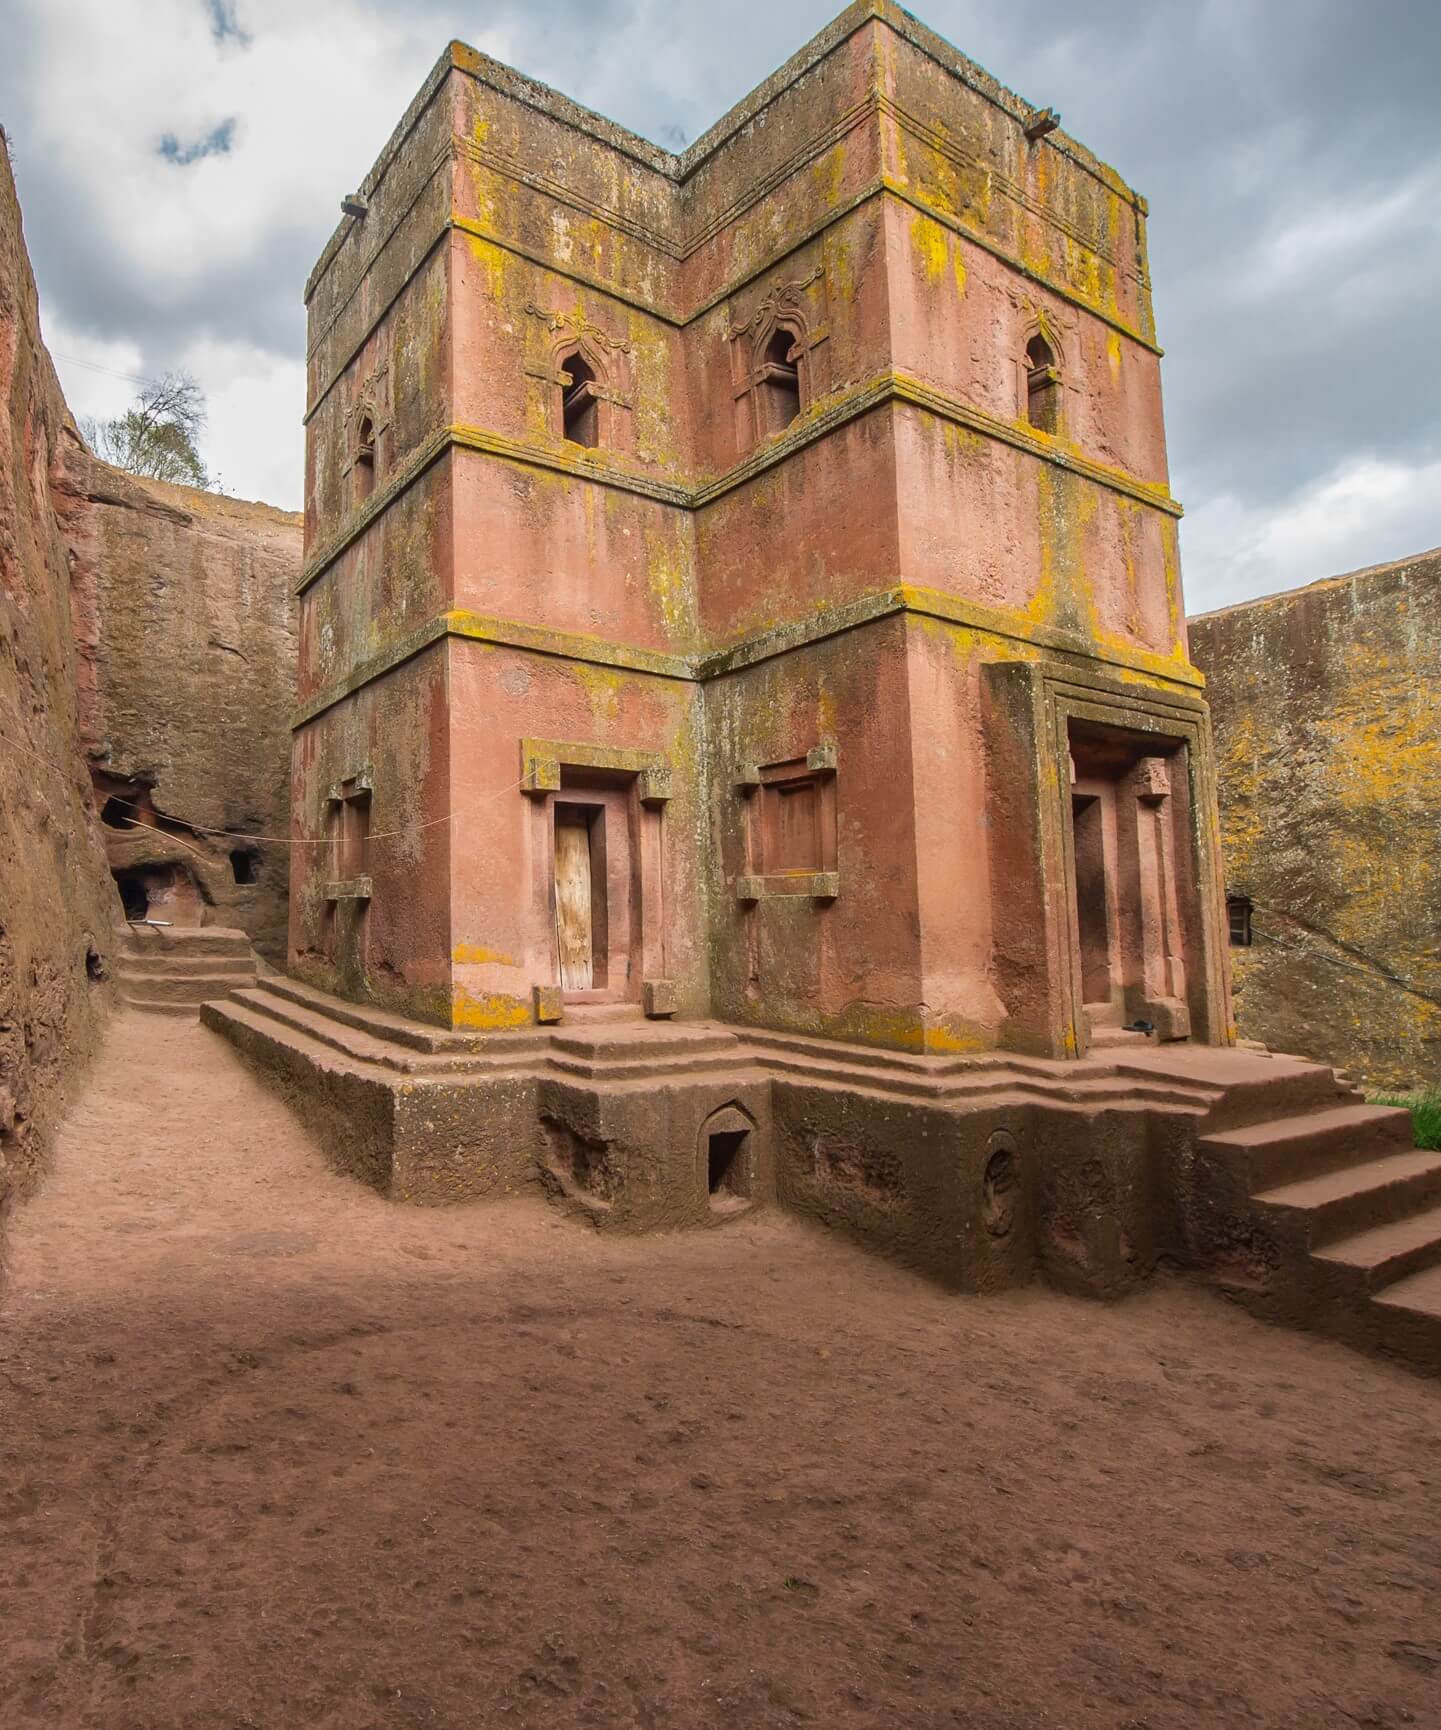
(556,769)
(1029,708)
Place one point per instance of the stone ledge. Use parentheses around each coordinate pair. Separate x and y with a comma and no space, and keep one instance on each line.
(818,885)
(348,889)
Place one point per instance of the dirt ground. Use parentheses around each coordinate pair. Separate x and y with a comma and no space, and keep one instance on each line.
(275,1452)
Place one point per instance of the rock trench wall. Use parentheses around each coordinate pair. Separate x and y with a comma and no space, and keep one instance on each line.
(185,617)
(147,653)
(59,913)
(1328,744)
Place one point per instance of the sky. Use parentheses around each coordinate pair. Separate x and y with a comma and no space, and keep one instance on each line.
(181,162)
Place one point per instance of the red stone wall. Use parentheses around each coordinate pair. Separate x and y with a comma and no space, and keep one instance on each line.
(58,907)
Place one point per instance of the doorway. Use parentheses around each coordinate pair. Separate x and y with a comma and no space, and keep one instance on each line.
(1129,883)
(1092,817)
(580,897)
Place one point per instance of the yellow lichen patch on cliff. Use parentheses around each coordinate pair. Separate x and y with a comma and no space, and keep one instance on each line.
(1113,355)
(489,1013)
(1239,771)
(476,955)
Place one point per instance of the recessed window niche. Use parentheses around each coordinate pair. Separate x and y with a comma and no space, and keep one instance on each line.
(791,828)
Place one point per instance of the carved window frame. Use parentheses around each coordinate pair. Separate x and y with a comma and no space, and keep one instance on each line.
(762,879)
(371,408)
(1040,328)
(607,359)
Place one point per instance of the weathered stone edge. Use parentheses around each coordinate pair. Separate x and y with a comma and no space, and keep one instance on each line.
(902,598)
(458,56)
(887,387)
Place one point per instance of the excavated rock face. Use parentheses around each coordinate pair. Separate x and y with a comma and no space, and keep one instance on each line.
(59,911)
(185,617)
(1329,751)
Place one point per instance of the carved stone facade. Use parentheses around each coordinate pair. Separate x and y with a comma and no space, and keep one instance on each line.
(747,750)
(807,492)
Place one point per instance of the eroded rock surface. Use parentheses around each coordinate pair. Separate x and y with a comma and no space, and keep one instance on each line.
(1329,753)
(58,907)
(186,620)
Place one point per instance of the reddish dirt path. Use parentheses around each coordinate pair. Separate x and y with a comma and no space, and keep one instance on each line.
(274,1452)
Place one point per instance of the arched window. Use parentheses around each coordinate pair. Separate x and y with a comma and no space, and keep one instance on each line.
(778,388)
(1043,386)
(364,459)
(579,402)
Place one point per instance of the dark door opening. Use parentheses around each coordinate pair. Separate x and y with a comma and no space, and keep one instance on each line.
(728,1177)
(134,896)
(1088,828)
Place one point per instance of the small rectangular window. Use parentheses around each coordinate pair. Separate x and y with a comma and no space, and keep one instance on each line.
(1238,918)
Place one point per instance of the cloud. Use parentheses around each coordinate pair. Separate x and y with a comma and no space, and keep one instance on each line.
(246,387)
(1364,513)
(216,142)
(1291,153)
(99,377)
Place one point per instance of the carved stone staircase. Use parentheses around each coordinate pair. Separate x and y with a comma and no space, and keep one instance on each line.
(172,970)
(1272,1176)
(1314,1207)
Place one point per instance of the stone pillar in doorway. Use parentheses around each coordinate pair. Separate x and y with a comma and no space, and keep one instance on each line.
(1159,971)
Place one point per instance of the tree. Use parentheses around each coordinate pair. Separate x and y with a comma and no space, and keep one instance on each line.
(158,435)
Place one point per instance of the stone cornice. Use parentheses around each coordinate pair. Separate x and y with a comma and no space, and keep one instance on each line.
(458,57)
(882,183)
(825,418)
(747,651)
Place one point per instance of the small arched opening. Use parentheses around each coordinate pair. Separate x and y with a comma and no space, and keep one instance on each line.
(364,459)
(778,386)
(134,893)
(727,1155)
(245,864)
(1043,386)
(580,401)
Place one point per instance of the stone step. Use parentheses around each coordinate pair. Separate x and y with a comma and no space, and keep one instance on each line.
(1356,1197)
(177,963)
(384,1024)
(235,1013)
(150,1007)
(1104,1037)
(1286,1091)
(590,1014)
(1406,1318)
(645,1040)
(186,940)
(662,1064)
(187,990)
(1386,1253)
(1290,1148)
(342,1035)
(1420,1293)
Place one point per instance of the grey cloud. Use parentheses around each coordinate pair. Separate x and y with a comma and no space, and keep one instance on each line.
(224,22)
(216,142)
(1275,139)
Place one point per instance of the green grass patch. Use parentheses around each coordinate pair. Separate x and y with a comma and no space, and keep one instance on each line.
(1425,1109)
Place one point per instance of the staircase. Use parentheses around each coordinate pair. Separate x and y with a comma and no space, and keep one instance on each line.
(172,970)
(1327,1217)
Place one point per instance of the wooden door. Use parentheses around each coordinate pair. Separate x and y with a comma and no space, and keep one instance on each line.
(573,926)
